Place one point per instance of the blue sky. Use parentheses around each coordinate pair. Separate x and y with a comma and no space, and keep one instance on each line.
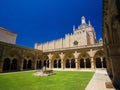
(39,21)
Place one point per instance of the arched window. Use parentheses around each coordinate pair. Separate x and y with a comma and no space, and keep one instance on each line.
(55,63)
(67,63)
(88,63)
(14,65)
(73,63)
(29,64)
(59,63)
(82,63)
(98,63)
(6,65)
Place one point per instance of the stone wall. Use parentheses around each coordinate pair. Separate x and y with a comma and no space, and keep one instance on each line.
(13,57)
(83,58)
(18,58)
(7,36)
(83,35)
(111,38)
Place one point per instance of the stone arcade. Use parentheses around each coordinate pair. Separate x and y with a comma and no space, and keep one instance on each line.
(69,52)
(111,38)
(80,51)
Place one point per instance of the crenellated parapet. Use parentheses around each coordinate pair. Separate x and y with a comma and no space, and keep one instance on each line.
(83,35)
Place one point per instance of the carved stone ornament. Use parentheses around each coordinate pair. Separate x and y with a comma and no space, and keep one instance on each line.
(75,42)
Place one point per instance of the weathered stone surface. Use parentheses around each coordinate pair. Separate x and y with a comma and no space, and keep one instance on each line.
(111,38)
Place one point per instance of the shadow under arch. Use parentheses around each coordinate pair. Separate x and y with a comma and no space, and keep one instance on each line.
(99,59)
(6,65)
(88,63)
(84,60)
(14,65)
(24,64)
(69,60)
(29,65)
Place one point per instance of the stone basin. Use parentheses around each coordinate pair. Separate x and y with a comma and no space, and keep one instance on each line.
(43,73)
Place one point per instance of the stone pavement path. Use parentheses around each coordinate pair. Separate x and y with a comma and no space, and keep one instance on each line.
(98,81)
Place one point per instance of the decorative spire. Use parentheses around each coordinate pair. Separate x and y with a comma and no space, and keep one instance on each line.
(73,27)
(89,23)
(83,20)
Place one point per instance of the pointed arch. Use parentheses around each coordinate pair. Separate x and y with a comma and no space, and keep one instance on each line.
(72,63)
(25,64)
(98,63)
(99,60)
(29,66)
(55,63)
(6,65)
(99,53)
(59,63)
(14,65)
(82,65)
(88,63)
(67,63)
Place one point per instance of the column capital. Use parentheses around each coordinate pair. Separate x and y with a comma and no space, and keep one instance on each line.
(84,60)
(50,56)
(91,59)
(76,54)
(62,55)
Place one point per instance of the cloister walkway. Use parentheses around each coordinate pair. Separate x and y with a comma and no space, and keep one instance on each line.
(98,81)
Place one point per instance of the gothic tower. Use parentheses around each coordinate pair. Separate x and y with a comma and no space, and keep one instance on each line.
(83,35)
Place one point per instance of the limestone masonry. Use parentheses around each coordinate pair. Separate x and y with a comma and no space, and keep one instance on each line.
(7,36)
(84,34)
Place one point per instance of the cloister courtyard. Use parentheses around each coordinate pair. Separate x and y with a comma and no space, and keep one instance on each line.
(67,56)
(61,80)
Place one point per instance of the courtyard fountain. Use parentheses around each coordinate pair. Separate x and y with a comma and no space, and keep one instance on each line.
(43,72)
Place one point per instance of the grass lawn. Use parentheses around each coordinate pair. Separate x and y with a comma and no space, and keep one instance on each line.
(62,80)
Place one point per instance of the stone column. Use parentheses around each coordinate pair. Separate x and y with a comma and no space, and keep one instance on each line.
(92,54)
(21,62)
(76,63)
(27,64)
(21,66)
(42,62)
(101,61)
(76,54)
(62,64)
(70,63)
(35,64)
(57,63)
(85,63)
(50,60)
(62,59)
(1,66)
(92,64)
(50,63)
